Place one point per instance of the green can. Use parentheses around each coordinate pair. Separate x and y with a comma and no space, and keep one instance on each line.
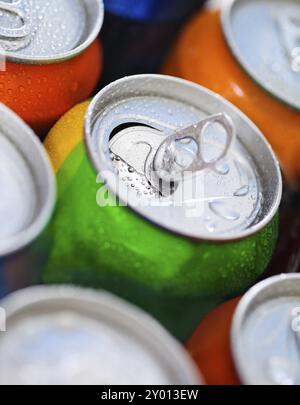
(169,198)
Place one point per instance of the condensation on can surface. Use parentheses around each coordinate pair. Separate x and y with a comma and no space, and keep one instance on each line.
(53,58)
(40,94)
(204,36)
(175,279)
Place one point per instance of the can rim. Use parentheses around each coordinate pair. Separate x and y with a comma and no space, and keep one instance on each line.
(149,330)
(24,238)
(255,228)
(226,10)
(240,315)
(44,60)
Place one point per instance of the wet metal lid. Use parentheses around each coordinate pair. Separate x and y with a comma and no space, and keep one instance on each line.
(265,335)
(39,31)
(65,335)
(27,184)
(264,36)
(183,158)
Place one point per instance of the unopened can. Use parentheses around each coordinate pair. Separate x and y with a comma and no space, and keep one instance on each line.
(137,34)
(171,203)
(70,336)
(51,57)
(254,341)
(28,192)
(248,51)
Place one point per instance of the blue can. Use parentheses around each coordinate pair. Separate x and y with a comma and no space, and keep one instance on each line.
(137,34)
(28,191)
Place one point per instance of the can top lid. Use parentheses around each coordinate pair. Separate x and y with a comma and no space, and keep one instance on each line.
(265,335)
(67,335)
(27,184)
(183,158)
(264,36)
(39,31)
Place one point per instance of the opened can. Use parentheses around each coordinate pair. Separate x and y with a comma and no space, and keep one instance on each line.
(28,192)
(248,51)
(170,203)
(71,336)
(51,59)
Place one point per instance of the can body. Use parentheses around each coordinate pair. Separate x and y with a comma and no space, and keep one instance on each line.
(209,346)
(41,94)
(198,55)
(176,279)
(137,35)
(23,269)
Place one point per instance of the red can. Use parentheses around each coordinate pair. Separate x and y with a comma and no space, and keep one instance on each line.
(52,57)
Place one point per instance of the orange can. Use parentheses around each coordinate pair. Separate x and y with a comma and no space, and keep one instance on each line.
(209,346)
(248,52)
(51,57)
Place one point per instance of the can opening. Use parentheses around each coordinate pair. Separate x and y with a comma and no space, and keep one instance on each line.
(126,125)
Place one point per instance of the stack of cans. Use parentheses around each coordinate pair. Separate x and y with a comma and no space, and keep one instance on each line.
(141,219)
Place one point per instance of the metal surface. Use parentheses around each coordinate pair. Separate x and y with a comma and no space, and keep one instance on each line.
(127,123)
(27,184)
(265,332)
(66,335)
(39,31)
(264,36)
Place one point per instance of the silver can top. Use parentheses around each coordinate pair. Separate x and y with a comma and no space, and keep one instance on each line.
(264,36)
(39,31)
(265,335)
(27,184)
(183,157)
(65,335)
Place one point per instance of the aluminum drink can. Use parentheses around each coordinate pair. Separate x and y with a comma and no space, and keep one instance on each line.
(257,341)
(255,69)
(50,57)
(71,336)
(28,192)
(137,34)
(135,218)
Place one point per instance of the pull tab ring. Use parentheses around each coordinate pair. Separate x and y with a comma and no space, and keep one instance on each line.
(165,158)
(15,33)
